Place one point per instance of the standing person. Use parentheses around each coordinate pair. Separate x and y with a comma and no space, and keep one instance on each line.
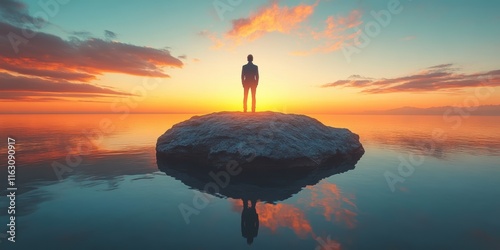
(250,80)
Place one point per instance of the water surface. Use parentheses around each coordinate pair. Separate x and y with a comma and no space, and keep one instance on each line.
(442,191)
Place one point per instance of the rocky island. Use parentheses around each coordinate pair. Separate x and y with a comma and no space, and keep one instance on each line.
(257,141)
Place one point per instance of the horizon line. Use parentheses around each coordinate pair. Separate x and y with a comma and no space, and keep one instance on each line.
(201,113)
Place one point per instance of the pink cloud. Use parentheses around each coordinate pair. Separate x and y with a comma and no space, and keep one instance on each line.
(435,78)
(92,56)
(46,67)
(338,31)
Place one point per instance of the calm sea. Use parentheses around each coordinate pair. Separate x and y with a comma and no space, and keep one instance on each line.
(93,182)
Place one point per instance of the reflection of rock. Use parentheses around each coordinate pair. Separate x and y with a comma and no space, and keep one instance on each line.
(266,187)
(266,140)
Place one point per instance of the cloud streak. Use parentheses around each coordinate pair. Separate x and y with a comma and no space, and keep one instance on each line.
(435,78)
(21,87)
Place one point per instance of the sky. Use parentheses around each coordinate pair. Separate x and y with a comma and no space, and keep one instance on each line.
(321,56)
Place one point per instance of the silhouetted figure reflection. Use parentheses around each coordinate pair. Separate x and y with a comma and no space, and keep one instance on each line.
(249,221)
(250,80)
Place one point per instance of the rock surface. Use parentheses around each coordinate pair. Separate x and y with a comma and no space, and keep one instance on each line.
(267,140)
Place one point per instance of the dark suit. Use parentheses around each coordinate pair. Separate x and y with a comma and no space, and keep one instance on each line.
(250,80)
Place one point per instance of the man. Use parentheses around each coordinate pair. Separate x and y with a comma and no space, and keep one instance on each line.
(250,80)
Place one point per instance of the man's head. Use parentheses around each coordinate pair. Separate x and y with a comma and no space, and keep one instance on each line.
(250,58)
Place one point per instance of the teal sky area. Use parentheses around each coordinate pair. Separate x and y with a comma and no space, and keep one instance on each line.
(300,47)
(425,33)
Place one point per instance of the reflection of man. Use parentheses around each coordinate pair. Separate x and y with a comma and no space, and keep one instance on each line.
(249,79)
(249,221)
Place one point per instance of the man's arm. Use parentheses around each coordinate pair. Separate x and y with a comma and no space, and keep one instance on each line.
(242,74)
(257,75)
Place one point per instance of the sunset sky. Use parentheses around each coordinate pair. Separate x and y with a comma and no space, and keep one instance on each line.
(321,56)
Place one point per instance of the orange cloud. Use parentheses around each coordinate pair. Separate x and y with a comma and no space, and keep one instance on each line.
(50,70)
(327,197)
(334,25)
(283,215)
(22,88)
(338,31)
(218,42)
(280,215)
(272,18)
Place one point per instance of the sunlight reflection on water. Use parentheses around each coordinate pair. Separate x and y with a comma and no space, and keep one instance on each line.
(117,197)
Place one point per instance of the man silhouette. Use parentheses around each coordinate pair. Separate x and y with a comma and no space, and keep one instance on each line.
(250,80)
(249,221)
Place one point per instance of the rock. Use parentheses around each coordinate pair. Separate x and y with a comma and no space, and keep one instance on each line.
(256,141)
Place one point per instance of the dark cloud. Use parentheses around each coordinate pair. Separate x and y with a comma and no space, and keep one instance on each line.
(109,35)
(45,63)
(359,77)
(15,12)
(435,78)
(81,34)
(91,56)
(441,66)
(351,81)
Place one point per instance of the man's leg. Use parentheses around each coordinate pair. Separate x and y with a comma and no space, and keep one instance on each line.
(245,95)
(254,90)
